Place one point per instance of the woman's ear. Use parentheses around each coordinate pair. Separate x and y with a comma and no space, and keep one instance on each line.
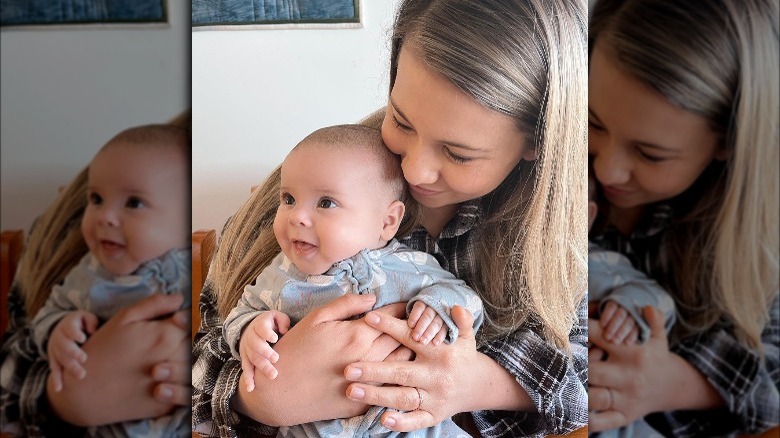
(394,214)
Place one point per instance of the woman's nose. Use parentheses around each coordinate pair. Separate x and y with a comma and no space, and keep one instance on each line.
(419,167)
(612,166)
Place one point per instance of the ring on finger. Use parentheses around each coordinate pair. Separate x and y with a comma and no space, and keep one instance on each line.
(420,397)
(611,398)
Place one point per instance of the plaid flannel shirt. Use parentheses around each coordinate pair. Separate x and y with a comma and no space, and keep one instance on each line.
(555,381)
(748,382)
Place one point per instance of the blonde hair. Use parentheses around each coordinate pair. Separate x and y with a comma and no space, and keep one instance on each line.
(247,244)
(55,244)
(719,60)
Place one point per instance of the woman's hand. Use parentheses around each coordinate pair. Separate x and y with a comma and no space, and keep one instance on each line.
(438,383)
(312,356)
(119,385)
(636,380)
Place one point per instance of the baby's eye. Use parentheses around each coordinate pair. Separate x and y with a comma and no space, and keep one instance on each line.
(287,199)
(326,203)
(134,202)
(95,199)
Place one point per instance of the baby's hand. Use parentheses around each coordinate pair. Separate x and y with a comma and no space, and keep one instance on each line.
(619,326)
(254,345)
(427,324)
(64,350)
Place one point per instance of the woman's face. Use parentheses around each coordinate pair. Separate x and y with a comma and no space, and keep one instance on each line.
(452,148)
(644,148)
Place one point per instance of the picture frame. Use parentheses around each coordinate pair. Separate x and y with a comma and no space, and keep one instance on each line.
(257,14)
(47,13)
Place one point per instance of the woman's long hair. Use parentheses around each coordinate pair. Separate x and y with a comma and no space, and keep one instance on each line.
(717,59)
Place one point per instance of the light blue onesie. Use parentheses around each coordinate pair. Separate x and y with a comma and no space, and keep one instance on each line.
(394,274)
(88,286)
(611,277)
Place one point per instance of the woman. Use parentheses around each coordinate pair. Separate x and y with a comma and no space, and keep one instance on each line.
(147,336)
(683,134)
(486,110)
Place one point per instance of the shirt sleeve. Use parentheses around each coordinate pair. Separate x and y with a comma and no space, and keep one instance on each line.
(555,381)
(747,380)
(215,377)
(24,409)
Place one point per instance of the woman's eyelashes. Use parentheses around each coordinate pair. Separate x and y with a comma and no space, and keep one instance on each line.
(649,157)
(399,125)
(455,157)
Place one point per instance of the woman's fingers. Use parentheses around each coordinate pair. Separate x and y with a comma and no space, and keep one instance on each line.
(400,354)
(343,308)
(394,327)
(464,320)
(397,397)
(396,373)
(607,374)
(153,307)
(408,421)
(179,395)
(600,421)
(383,346)
(599,399)
(173,372)
(396,310)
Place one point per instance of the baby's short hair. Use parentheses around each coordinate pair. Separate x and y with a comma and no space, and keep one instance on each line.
(367,139)
(154,135)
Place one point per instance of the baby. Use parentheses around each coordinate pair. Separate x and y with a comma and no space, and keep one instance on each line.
(137,231)
(621,290)
(341,204)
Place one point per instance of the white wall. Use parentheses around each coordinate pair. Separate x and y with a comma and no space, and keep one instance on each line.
(65,92)
(256,93)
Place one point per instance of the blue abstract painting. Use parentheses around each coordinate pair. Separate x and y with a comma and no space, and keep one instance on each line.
(238,12)
(48,12)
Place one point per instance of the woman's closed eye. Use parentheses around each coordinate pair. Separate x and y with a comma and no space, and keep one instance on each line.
(460,159)
(399,125)
(649,157)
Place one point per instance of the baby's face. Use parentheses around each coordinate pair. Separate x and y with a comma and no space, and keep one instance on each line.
(330,207)
(137,205)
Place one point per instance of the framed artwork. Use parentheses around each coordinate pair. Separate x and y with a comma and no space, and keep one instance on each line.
(81,12)
(258,14)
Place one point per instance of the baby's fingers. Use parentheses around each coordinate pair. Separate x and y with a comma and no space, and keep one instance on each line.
(56,375)
(256,349)
(428,315)
(414,315)
(249,374)
(441,336)
(624,330)
(72,366)
(433,329)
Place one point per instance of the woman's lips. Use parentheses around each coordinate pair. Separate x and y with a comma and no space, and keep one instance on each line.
(423,192)
(614,191)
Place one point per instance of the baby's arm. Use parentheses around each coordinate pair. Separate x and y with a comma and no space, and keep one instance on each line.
(64,349)
(429,310)
(255,348)
(628,291)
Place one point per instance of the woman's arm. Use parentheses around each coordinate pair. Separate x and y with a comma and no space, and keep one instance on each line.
(219,403)
(542,388)
(119,385)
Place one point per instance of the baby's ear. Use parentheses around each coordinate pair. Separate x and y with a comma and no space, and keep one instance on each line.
(592,210)
(393,215)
